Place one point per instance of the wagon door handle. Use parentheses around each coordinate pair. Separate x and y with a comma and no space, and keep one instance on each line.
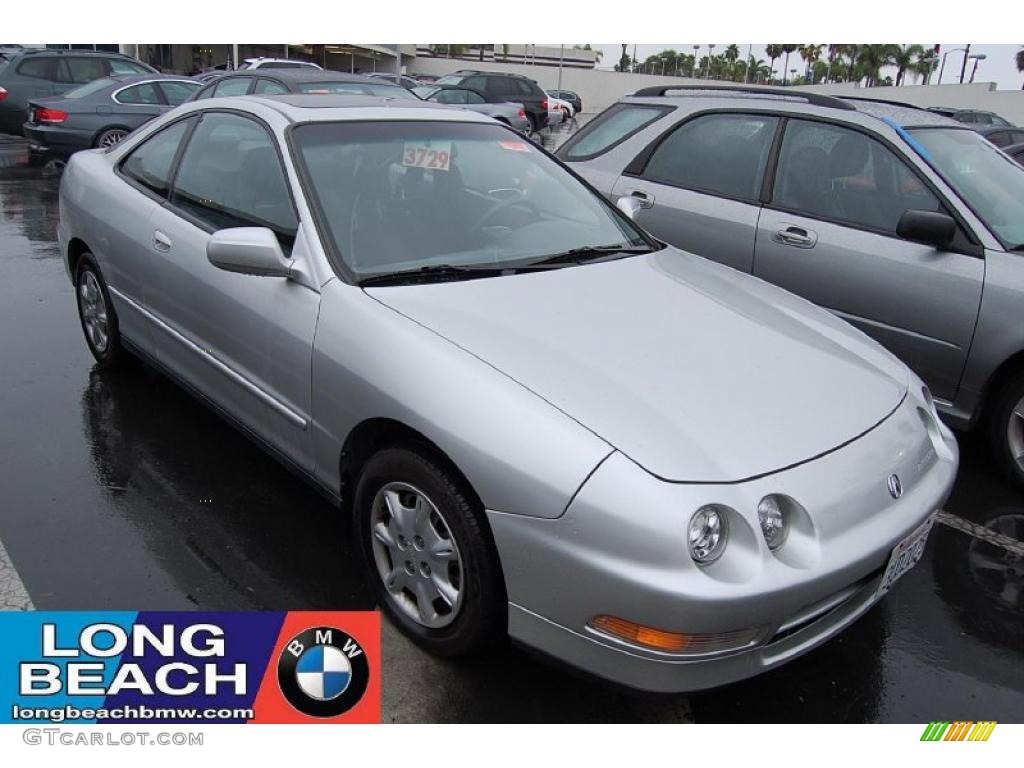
(798,237)
(161,241)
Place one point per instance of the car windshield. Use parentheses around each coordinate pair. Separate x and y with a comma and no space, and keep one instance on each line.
(988,181)
(358,89)
(397,196)
(89,88)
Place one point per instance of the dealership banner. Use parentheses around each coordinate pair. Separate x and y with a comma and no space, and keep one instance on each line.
(119,667)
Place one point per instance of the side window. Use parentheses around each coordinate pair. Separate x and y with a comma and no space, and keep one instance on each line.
(269,87)
(451,96)
(144,93)
(122,67)
(472,97)
(230,176)
(476,83)
(82,69)
(36,66)
(836,173)
(525,88)
(723,154)
(502,87)
(177,91)
(232,86)
(612,127)
(999,138)
(150,163)
(982,118)
(997,120)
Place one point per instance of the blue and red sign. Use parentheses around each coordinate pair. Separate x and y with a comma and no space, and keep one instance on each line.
(190,667)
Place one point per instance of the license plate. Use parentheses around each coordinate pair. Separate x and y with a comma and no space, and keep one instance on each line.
(905,555)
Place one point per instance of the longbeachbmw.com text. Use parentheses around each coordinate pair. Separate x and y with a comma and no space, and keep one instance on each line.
(70,713)
(67,737)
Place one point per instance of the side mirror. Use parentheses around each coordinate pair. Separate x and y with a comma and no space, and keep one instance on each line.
(248,251)
(630,204)
(930,227)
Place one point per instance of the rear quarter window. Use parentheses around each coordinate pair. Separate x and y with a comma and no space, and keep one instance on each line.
(611,128)
(37,66)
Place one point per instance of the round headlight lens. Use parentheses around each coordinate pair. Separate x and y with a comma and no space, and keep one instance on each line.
(773,520)
(707,535)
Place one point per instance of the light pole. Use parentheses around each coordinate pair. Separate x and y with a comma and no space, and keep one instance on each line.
(696,58)
(942,68)
(963,67)
(711,56)
(977,57)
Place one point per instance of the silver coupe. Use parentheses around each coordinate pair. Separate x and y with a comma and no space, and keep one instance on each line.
(542,421)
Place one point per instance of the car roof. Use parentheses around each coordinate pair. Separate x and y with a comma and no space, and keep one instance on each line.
(793,100)
(303,75)
(306,107)
(74,52)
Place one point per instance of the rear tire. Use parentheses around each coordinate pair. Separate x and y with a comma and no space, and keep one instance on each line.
(1006,429)
(428,553)
(110,137)
(96,313)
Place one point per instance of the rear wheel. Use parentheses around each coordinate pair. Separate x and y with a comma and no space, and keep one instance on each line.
(1006,428)
(428,553)
(96,313)
(110,137)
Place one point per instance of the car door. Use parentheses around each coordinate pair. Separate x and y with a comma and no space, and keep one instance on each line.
(829,235)
(699,185)
(243,341)
(132,263)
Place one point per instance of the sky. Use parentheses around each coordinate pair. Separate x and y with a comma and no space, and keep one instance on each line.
(999,66)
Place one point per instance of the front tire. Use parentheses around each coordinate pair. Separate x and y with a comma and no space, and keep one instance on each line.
(96,313)
(1006,429)
(427,551)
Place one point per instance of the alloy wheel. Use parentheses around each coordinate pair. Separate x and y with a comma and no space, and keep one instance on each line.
(112,137)
(416,555)
(1015,434)
(93,307)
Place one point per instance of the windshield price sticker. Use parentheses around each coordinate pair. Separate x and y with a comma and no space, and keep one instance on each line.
(514,146)
(434,156)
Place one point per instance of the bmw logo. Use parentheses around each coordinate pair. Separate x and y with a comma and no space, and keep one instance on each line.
(323,672)
(895,486)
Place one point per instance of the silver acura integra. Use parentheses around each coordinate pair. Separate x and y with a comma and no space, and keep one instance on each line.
(543,422)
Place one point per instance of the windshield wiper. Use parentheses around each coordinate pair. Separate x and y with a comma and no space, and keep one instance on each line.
(432,272)
(591,253)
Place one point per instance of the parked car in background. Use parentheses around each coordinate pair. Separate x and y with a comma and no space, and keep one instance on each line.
(570,96)
(41,72)
(567,109)
(8,52)
(499,87)
(299,80)
(976,118)
(424,79)
(405,81)
(1016,152)
(504,112)
(1003,137)
(905,223)
(539,420)
(264,62)
(103,112)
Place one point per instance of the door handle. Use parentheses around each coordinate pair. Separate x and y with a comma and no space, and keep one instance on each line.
(643,199)
(798,237)
(161,241)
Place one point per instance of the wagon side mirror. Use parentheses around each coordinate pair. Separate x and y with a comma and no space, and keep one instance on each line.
(929,227)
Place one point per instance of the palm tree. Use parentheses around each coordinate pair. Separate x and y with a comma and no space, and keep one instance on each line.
(787,49)
(810,53)
(1020,63)
(925,65)
(624,60)
(773,51)
(903,58)
(872,58)
(755,69)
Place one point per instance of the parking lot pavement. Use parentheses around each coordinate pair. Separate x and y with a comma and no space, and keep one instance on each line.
(105,480)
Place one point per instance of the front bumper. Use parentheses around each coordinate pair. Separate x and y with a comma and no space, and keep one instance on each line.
(620,550)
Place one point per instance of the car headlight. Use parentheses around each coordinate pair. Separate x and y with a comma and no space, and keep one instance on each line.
(774,521)
(707,535)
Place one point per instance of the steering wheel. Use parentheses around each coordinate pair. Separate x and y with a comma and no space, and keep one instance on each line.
(499,206)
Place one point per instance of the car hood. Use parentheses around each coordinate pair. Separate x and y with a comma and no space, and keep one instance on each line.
(697,372)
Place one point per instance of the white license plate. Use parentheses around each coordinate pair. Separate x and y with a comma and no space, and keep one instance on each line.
(905,555)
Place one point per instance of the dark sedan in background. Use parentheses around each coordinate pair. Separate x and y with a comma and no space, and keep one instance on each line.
(271,81)
(1016,152)
(101,113)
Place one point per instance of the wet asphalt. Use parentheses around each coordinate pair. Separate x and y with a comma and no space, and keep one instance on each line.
(103,482)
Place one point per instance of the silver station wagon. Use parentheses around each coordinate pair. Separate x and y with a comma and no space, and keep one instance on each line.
(903,222)
(542,422)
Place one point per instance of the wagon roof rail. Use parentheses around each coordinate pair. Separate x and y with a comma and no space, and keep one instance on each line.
(817,99)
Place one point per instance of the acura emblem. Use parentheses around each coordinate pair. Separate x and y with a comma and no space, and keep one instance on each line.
(895,486)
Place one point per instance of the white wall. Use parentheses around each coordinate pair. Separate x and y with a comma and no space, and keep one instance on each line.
(600,88)
(1008,104)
